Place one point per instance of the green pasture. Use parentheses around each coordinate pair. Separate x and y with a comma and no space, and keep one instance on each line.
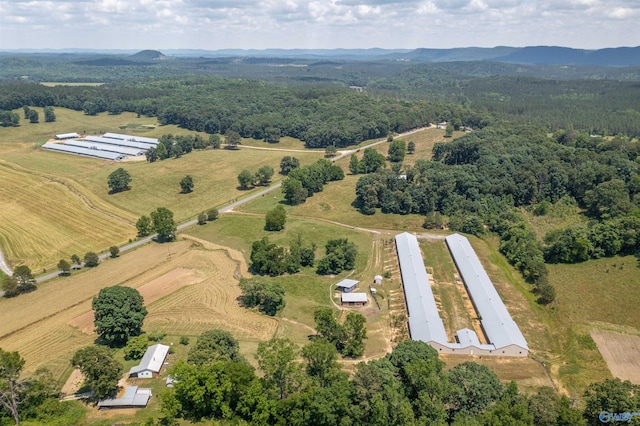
(305,290)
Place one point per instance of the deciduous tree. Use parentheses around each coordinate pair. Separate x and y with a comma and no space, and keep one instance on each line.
(162,222)
(119,180)
(277,361)
(275,219)
(245,179)
(11,365)
(287,164)
(64,267)
(186,184)
(215,345)
(101,371)
(143,225)
(91,259)
(264,174)
(119,312)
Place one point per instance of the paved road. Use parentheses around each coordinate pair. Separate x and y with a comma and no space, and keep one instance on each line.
(5,267)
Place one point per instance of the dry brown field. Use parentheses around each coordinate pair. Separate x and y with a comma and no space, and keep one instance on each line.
(191,287)
(621,352)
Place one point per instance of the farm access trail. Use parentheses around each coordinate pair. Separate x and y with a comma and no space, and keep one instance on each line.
(4,266)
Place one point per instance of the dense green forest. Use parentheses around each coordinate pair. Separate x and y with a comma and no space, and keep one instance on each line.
(409,386)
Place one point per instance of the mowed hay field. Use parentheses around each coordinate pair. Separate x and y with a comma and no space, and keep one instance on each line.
(188,288)
(44,219)
(51,185)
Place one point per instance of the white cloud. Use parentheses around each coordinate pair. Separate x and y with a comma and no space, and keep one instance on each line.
(215,24)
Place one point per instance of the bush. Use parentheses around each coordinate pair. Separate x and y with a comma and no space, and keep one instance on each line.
(202,219)
(157,336)
(184,340)
(212,214)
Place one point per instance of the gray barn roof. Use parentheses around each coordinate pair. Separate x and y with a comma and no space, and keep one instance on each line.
(500,329)
(354,297)
(347,283)
(152,359)
(83,151)
(105,147)
(119,142)
(132,138)
(133,397)
(424,321)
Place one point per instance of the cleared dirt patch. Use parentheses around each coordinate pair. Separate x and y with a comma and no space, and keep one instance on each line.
(621,352)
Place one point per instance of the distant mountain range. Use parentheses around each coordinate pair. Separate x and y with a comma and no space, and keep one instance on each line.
(533,55)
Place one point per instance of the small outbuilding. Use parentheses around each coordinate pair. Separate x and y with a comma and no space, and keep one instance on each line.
(131,397)
(377,279)
(347,286)
(151,362)
(354,299)
(64,136)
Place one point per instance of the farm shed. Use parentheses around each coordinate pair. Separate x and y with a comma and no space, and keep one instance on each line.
(354,299)
(132,397)
(131,138)
(377,279)
(497,323)
(104,147)
(67,136)
(151,362)
(83,151)
(346,285)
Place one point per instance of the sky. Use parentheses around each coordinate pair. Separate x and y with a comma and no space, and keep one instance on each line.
(316,24)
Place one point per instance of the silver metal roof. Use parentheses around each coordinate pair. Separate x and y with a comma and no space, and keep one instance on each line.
(424,321)
(83,151)
(152,359)
(106,147)
(119,142)
(132,138)
(67,135)
(133,397)
(347,283)
(500,329)
(354,297)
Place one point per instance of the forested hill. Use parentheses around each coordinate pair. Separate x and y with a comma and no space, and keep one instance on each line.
(538,55)
(532,55)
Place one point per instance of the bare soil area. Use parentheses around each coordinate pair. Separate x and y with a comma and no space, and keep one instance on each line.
(621,352)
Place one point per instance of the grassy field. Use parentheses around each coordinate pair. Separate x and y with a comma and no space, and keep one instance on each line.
(188,286)
(65,192)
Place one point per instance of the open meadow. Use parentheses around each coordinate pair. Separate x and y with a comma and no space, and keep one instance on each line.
(51,197)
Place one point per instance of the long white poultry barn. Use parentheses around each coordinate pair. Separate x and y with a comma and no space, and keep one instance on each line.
(502,333)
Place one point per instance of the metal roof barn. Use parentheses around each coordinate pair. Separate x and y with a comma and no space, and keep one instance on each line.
(424,321)
(500,329)
(132,138)
(151,361)
(83,151)
(105,147)
(67,136)
(120,142)
(354,298)
(133,397)
(347,285)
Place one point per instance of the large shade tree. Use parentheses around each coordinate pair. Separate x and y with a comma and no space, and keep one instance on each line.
(100,370)
(119,180)
(162,222)
(119,313)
